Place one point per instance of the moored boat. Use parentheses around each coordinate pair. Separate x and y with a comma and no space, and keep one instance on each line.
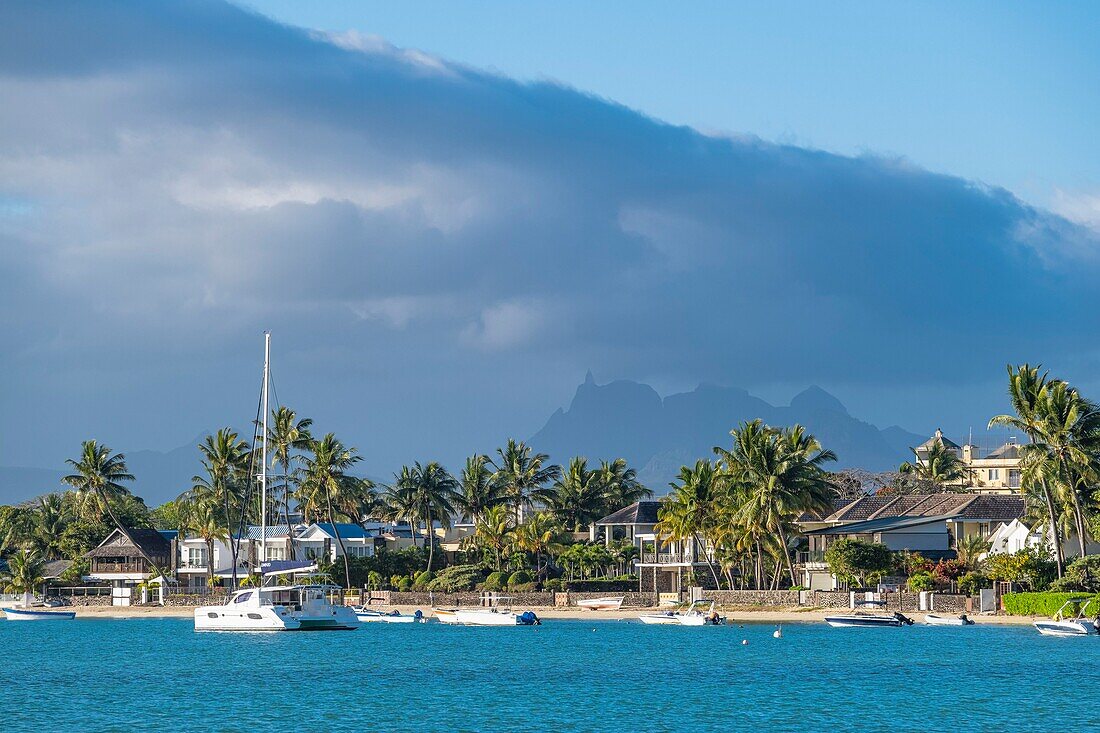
(866,614)
(370,615)
(692,615)
(279,608)
(37,614)
(934,619)
(1077,625)
(499,615)
(608,603)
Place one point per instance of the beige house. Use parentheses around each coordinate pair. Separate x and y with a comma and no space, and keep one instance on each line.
(996,472)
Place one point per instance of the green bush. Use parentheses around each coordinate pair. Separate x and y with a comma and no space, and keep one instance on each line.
(1081,576)
(524,587)
(374,580)
(495,581)
(1040,604)
(859,563)
(457,578)
(405,584)
(519,578)
(554,584)
(1032,566)
(422,580)
(971,583)
(921,581)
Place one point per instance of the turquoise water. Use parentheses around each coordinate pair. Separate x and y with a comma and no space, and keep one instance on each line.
(158,674)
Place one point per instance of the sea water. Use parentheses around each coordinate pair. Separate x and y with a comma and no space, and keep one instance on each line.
(600,675)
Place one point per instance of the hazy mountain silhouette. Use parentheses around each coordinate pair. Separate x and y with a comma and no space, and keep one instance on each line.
(657,436)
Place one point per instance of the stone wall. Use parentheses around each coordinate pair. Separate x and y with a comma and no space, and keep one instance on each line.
(442,600)
(86,601)
(770,598)
(829,598)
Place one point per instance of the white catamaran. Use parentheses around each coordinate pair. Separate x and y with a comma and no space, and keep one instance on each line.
(309,607)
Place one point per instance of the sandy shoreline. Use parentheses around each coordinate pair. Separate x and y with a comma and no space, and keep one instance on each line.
(736,616)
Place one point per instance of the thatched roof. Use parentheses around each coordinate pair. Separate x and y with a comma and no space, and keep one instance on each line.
(117,545)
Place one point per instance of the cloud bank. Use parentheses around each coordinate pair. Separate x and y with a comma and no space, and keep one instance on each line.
(442,252)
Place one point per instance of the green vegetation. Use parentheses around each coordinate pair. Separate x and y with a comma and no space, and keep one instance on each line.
(859,563)
(1040,604)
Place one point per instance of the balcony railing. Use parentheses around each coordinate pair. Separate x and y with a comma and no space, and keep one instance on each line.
(813,556)
(671,557)
(119,567)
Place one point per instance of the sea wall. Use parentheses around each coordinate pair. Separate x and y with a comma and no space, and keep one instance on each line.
(769,598)
(425,599)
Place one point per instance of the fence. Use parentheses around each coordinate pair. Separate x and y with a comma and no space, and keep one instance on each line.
(79,591)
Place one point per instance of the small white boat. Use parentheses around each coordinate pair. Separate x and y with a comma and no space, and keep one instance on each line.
(693,615)
(279,608)
(864,617)
(370,615)
(37,614)
(1077,625)
(608,603)
(934,619)
(494,616)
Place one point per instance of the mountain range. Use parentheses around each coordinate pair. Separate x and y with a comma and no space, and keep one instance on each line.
(658,435)
(618,419)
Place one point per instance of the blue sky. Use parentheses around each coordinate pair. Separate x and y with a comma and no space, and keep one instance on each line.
(446,214)
(1003,93)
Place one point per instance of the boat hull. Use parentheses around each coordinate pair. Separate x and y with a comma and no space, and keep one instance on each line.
(934,620)
(659,619)
(862,622)
(272,618)
(30,614)
(1065,628)
(483,617)
(601,604)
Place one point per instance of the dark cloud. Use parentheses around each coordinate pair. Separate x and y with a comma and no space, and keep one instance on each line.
(442,252)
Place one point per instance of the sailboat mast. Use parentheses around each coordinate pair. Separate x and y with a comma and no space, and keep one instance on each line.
(263,456)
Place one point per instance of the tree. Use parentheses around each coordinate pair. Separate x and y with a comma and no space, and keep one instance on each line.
(477,489)
(774,476)
(285,435)
(520,472)
(941,466)
(97,479)
(433,493)
(855,561)
(226,459)
(621,485)
(202,515)
(25,572)
(539,534)
(50,519)
(970,550)
(1026,392)
(691,510)
(578,497)
(493,531)
(326,479)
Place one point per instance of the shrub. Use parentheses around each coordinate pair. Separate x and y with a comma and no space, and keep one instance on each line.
(530,587)
(422,580)
(495,581)
(374,580)
(857,562)
(1081,576)
(921,581)
(405,584)
(1032,567)
(971,583)
(457,578)
(554,584)
(1038,604)
(395,581)
(519,578)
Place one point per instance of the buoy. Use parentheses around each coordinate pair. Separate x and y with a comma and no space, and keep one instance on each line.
(778,633)
(744,642)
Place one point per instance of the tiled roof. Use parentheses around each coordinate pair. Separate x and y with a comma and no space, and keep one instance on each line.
(1006,451)
(973,507)
(275,531)
(640,512)
(347,531)
(990,508)
(861,509)
(883,524)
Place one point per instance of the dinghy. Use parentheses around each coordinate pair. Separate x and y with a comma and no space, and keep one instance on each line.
(37,614)
(934,619)
(867,614)
(609,603)
(693,615)
(1076,625)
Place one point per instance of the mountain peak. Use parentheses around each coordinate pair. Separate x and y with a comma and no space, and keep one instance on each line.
(588,378)
(815,398)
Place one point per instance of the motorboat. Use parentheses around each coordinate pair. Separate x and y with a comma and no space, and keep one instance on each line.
(692,615)
(31,611)
(608,603)
(498,615)
(934,619)
(280,608)
(868,614)
(370,615)
(1064,624)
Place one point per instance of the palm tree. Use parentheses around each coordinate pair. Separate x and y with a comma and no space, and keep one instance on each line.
(326,479)
(25,573)
(400,501)
(691,509)
(477,489)
(433,492)
(202,516)
(540,534)
(493,531)
(1026,391)
(621,484)
(970,550)
(521,472)
(226,459)
(776,476)
(96,480)
(940,467)
(285,435)
(49,521)
(577,498)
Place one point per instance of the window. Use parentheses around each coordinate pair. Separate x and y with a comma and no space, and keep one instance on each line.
(243,597)
(1014,478)
(275,553)
(359,550)
(196,557)
(994,474)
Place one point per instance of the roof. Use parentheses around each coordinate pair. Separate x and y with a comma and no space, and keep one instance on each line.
(169,534)
(991,508)
(275,531)
(149,540)
(1007,451)
(347,531)
(640,512)
(938,438)
(55,568)
(961,507)
(885,524)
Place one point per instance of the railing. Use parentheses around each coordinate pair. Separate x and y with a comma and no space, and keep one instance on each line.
(119,567)
(80,590)
(671,557)
(811,557)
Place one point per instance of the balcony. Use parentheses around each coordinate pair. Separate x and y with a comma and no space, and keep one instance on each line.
(813,557)
(119,567)
(670,558)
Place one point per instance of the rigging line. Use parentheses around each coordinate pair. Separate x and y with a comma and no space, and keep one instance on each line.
(246,500)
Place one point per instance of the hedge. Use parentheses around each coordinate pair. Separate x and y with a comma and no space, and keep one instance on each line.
(1042,604)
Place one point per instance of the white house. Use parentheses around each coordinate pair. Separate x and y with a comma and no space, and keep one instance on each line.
(318,540)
